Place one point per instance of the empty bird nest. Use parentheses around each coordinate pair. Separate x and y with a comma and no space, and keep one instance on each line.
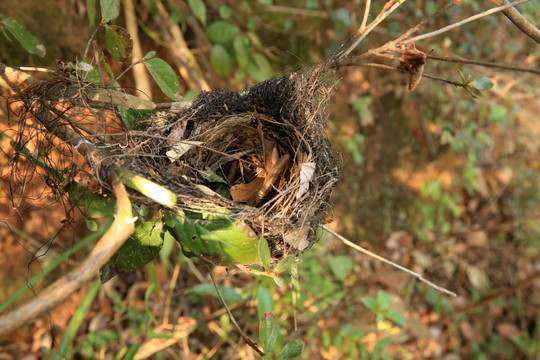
(259,157)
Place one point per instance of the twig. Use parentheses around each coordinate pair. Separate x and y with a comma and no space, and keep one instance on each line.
(485,64)
(380,258)
(366,15)
(520,21)
(120,230)
(350,45)
(466,21)
(233,320)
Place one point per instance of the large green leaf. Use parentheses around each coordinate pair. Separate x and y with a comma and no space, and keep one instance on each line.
(23,36)
(293,349)
(141,247)
(221,32)
(118,42)
(110,9)
(217,240)
(165,77)
(242,46)
(91,10)
(221,60)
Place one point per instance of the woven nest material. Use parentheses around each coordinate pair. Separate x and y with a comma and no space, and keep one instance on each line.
(260,155)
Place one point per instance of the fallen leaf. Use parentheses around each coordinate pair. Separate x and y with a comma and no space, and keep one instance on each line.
(180,148)
(273,175)
(247,192)
(476,277)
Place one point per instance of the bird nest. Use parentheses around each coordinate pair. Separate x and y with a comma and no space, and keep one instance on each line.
(259,157)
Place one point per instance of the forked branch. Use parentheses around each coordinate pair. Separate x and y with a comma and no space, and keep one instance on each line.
(58,292)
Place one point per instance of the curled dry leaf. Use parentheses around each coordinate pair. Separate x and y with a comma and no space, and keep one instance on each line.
(180,148)
(413,61)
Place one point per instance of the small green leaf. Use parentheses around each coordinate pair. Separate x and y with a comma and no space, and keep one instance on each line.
(284,264)
(118,42)
(28,41)
(264,301)
(91,9)
(279,281)
(225,12)
(264,253)
(370,303)
(221,32)
(241,45)
(149,55)
(92,225)
(259,67)
(165,77)
(293,349)
(268,331)
(483,83)
(221,60)
(211,176)
(397,317)
(340,265)
(230,295)
(383,299)
(199,10)
(110,9)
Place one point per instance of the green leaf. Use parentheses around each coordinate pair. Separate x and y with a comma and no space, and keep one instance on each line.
(91,9)
(211,176)
(221,60)
(92,225)
(230,295)
(28,41)
(165,77)
(96,205)
(221,32)
(284,264)
(149,55)
(220,241)
(134,119)
(110,9)
(370,303)
(397,317)
(259,67)
(141,247)
(483,83)
(383,299)
(118,42)
(293,349)
(130,354)
(268,331)
(241,46)
(225,12)
(264,301)
(264,253)
(199,9)
(340,265)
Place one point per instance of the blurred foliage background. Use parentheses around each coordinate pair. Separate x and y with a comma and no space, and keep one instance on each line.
(435,180)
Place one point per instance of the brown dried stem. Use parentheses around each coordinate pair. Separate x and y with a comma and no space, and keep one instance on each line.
(520,21)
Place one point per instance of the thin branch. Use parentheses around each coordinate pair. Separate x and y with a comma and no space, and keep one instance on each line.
(366,15)
(380,258)
(58,292)
(360,35)
(466,21)
(485,64)
(233,320)
(520,21)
